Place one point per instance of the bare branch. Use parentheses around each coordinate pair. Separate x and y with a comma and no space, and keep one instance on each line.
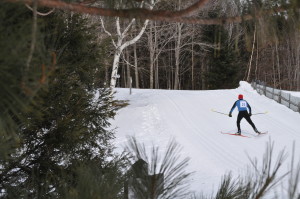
(157,15)
(137,37)
(108,33)
(128,27)
(40,13)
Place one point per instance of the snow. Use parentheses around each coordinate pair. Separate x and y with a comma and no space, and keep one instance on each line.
(293,93)
(156,116)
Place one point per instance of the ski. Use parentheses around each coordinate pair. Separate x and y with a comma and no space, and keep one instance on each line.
(260,134)
(241,135)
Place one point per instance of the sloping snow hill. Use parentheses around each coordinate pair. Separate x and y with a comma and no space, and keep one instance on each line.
(156,116)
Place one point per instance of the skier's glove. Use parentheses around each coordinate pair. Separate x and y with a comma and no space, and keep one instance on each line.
(230,115)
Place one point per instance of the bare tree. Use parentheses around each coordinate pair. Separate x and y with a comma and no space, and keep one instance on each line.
(177,54)
(158,36)
(136,71)
(120,43)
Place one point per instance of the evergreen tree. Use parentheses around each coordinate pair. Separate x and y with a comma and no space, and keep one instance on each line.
(62,127)
(223,60)
(16,86)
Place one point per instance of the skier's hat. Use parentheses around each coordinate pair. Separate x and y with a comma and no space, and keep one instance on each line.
(241,96)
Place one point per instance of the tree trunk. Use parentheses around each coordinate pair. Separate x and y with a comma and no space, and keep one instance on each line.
(119,48)
(156,58)
(123,83)
(256,62)
(203,82)
(273,68)
(114,73)
(156,75)
(128,70)
(298,67)
(278,64)
(177,56)
(192,65)
(136,71)
(151,56)
(106,74)
(250,61)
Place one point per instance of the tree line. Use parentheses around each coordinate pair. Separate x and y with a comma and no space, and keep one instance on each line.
(252,27)
(193,56)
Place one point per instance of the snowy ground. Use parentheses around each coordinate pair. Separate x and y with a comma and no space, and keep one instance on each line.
(156,116)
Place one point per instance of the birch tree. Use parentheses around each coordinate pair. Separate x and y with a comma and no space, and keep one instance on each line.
(120,42)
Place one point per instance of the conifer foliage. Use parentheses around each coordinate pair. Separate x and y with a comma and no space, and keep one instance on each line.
(61,125)
(14,93)
(223,61)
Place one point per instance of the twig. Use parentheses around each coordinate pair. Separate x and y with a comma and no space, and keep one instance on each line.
(33,35)
(40,13)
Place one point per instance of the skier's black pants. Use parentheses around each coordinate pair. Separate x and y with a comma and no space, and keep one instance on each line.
(241,115)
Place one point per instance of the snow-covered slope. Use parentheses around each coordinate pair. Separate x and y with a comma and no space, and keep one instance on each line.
(156,116)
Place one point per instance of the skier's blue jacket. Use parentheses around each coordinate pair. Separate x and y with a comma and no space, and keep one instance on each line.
(242,105)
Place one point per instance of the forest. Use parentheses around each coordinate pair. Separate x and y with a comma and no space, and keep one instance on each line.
(208,56)
(61,61)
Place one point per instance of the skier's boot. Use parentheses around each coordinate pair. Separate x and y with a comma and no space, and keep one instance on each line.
(256,131)
(239,132)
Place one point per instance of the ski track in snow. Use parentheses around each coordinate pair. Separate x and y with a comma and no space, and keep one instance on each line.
(154,117)
(198,136)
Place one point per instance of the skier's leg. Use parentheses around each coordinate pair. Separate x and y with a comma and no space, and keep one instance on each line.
(238,122)
(247,117)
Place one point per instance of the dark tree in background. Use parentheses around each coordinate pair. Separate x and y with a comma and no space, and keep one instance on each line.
(222,60)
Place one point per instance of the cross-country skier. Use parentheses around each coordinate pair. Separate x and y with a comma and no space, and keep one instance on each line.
(242,106)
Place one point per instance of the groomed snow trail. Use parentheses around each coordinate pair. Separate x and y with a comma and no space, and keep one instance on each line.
(156,116)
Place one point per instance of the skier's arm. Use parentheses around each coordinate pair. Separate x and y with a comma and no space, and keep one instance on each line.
(234,105)
(249,107)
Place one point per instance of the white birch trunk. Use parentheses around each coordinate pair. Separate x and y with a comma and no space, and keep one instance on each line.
(120,46)
(114,73)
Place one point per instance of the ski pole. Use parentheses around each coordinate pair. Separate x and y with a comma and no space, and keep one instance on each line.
(260,113)
(227,114)
(218,112)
